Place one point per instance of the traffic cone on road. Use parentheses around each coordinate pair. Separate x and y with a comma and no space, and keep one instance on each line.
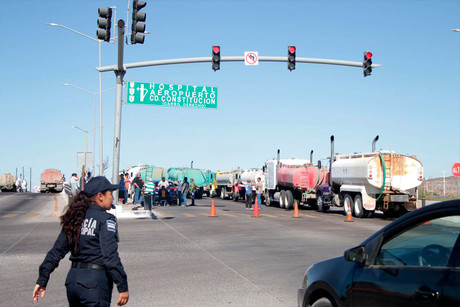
(213,210)
(296,209)
(349,217)
(256,208)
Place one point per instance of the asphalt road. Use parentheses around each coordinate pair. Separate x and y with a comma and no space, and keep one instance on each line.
(182,257)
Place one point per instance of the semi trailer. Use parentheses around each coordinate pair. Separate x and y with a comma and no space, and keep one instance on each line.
(7,183)
(51,180)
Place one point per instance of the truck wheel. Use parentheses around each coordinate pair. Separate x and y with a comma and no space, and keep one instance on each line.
(282,198)
(289,200)
(321,207)
(347,203)
(358,210)
(268,201)
(222,193)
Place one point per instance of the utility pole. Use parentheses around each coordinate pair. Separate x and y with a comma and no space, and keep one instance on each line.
(444,182)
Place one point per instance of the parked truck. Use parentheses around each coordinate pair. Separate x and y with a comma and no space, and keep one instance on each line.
(290,180)
(51,180)
(7,183)
(210,177)
(224,184)
(176,173)
(365,182)
(239,190)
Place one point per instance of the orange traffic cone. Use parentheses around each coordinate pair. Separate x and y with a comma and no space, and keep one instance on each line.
(296,209)
(256,208)
(213,210)
(349,217)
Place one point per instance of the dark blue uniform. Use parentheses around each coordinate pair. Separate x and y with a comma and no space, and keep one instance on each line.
(95,267)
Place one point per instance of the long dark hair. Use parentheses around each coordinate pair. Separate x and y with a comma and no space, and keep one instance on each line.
(73,217)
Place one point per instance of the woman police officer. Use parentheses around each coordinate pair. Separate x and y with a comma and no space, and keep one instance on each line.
(90,234)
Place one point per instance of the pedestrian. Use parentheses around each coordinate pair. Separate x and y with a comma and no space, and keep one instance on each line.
(184,192)
(192,190)
(138,185)
(127,186)
(123,193)
(74,189)
(163,183)
(90,234)
(149,187)
(24,185)
(179,192)
(88,177)
(18,185)
(248,194)
(259,191)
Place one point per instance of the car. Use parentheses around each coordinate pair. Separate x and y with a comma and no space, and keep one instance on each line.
(171,195)
(413,261)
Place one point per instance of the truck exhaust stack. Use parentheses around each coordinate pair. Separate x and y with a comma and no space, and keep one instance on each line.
(311,157)
(373,143)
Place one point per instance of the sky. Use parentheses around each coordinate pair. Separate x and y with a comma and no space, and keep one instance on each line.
(412,101)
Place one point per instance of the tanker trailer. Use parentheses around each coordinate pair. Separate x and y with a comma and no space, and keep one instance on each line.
(224,184)
(51,180)
(272,189)
(176,173)
(210,177)
(7,183)
(239,191)
(365,182)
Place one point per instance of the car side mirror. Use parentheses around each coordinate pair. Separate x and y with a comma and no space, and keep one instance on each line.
(356,254)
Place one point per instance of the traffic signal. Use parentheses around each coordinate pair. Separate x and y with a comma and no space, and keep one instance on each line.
(367,64)
(291,58)
(215,58)
(104,24)
(138,28)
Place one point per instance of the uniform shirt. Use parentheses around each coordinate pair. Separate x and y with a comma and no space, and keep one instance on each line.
(98,245)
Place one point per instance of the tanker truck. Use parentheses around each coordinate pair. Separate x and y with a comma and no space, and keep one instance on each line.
(7,183)
(176,173)
(239,191)
(51,180)
(210,176)
(290,180)
(224,184)
(365,182)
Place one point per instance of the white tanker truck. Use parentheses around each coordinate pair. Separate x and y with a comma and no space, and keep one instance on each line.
(365,182)
(223,184)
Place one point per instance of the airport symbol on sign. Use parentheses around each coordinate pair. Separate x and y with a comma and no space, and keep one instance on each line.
(251,58)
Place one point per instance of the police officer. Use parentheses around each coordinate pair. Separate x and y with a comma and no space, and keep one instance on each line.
(91,236)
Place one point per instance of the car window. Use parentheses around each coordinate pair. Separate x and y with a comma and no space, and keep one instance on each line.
(428,244)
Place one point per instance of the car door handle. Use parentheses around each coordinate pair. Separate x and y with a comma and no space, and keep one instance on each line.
(426,293)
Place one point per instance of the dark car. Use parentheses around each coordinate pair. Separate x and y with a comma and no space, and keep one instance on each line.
(414,261)
(169,197)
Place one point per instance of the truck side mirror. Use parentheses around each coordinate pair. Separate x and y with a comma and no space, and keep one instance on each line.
(319,164)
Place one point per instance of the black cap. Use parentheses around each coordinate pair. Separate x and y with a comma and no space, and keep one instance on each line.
(99,184)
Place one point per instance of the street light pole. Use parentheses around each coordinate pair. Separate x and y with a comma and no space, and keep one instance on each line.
(100,89)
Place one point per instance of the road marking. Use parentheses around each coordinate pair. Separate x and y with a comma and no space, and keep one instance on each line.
(228,214)
(189,214)
(307,215)
(33,215)
(55,203)
(10,215)
(53,214)
(266,214)
(204,213)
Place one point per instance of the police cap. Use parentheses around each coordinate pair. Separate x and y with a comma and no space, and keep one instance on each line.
(99,184)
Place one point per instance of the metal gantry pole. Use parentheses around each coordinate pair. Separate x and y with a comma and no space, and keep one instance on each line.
(119,73)
(100,114)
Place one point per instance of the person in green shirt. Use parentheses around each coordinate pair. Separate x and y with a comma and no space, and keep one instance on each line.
(192,190)
(149,191)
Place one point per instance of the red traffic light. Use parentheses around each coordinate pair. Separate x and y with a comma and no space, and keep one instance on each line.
(368,55)
(216,49)
(292,49)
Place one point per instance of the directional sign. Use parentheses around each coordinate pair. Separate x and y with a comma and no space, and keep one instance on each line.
(251,58)
(172,95)
(456,169)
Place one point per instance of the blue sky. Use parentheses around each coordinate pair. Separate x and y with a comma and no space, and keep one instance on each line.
(412,101)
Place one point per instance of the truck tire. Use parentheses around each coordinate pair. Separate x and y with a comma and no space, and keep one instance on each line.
(282,198)
(289,204)
(268,200)
(347,203)
(222,193)
(358,209)
(321,206)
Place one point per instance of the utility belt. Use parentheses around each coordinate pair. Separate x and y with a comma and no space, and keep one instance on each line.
(83,265)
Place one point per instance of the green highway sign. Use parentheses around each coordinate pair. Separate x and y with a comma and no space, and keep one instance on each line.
(172,95)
